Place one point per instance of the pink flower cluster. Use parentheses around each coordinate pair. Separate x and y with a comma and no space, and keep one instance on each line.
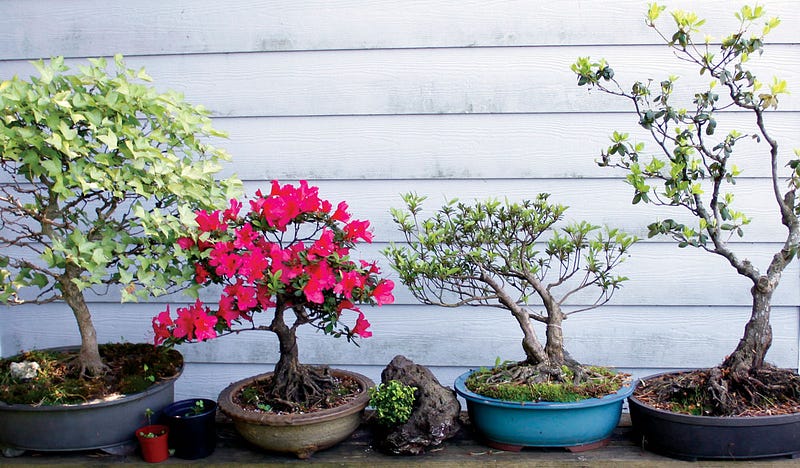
(289,251)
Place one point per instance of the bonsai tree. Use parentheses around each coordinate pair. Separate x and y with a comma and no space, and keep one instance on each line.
(286,255)
(511,256)
(693,169)
(98,171)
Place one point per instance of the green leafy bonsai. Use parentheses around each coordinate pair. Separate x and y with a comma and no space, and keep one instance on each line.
(98,172)
(511,256)
(693,169)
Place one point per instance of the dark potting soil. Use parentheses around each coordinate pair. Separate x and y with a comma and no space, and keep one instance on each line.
(254,397)
(767,391)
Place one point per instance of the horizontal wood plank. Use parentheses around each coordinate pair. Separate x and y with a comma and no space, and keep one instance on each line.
(462,146)
(202,26)
(423,81)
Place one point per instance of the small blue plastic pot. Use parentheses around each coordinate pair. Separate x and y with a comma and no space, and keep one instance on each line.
(512,425)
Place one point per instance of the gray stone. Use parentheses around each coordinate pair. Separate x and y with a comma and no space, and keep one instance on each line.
(25,370)
(435,417)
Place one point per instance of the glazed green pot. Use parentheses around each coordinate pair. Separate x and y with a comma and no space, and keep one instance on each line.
(298,434)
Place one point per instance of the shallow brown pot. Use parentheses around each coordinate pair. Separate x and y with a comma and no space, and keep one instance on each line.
(298,434)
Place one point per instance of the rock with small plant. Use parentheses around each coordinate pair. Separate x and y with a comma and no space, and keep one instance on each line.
(414,412)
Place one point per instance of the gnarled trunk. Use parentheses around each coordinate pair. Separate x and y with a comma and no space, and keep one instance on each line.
(752,349)
(294,385)
(89,358)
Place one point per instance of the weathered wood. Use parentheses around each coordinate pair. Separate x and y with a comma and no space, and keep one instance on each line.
(203,26)
(460,146)
(421,81)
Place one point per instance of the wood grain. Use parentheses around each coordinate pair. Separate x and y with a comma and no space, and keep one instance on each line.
(205,26)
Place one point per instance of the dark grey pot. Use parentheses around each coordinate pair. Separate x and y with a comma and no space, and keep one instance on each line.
(690,437)
(105,425)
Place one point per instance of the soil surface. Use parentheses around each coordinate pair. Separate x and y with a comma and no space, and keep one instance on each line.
(133,367)
(767,391)
(253,397)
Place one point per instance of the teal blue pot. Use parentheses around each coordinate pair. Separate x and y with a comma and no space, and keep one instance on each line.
(513,425)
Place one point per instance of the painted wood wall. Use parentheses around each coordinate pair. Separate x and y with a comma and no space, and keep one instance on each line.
(448,98)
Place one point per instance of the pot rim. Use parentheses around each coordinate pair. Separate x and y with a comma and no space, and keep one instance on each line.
(236,412)
(468,394)
(170,410)
(112,400)
(728,421)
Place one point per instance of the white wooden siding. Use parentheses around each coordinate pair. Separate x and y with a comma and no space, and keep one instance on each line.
(467,99)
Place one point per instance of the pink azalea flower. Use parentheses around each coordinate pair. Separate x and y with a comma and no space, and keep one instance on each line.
(209,221)
(362,325)
(162,324)
(185,243)
(383,292)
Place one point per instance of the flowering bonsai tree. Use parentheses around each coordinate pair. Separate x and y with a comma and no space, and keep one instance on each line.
(510,256)
(286,254)
(694,166)
(97,171)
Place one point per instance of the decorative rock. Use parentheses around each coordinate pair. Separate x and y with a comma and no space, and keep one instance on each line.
(435,417)
(25,370)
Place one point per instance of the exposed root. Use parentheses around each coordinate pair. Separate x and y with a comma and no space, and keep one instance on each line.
(718,392)
(306,388)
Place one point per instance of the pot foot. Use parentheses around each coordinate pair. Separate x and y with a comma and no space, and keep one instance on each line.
(587,447)
(504,447)
(125,448)
(11,452)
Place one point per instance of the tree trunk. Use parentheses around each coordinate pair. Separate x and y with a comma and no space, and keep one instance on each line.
(288,366)
(534,352)
(752,349)
(295,386)
(554,345)
(89,359)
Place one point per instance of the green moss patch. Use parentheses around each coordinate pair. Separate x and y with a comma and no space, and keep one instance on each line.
(502,382)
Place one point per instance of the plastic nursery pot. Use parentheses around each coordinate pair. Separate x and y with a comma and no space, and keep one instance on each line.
(153,442)
(192,427)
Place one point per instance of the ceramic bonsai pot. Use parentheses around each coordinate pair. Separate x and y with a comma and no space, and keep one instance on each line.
(509,425)
(153,442)
(107,425)
(691,437)
(193,430)
(298,434)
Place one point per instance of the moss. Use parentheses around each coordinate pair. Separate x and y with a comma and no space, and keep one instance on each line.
(597,382)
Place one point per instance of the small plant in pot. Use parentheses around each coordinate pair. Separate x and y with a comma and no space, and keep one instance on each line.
(192,427)
(286,255)
(98,169)
(153,440)
(511,256)
(743,407)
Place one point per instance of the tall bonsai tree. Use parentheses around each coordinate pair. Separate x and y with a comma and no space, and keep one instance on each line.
(694,166)
(98,169)
(511,256)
